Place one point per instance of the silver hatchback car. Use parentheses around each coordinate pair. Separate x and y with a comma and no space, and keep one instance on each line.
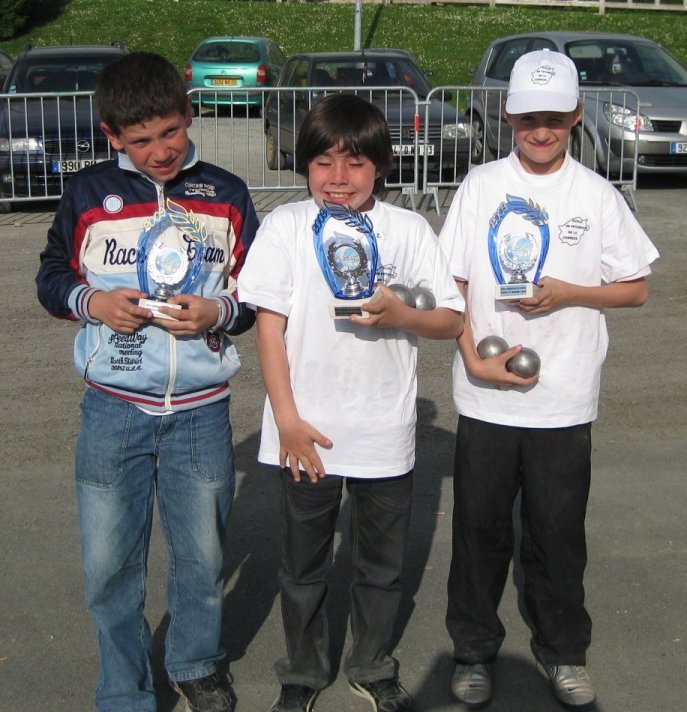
(634,91)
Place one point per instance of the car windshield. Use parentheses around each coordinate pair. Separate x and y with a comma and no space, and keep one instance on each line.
(374,73)
(227,52)
(638,64)
(32,76)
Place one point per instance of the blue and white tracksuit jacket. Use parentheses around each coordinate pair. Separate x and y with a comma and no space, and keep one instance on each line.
(93,244)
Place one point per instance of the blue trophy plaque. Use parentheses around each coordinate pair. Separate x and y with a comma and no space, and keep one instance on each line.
(170,256)
(518,244)
(348,259)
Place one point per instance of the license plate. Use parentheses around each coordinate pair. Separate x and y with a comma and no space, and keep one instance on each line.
(72,166)
(408,149)
(224,82)
(678,147)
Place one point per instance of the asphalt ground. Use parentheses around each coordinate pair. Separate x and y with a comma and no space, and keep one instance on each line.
(636,579)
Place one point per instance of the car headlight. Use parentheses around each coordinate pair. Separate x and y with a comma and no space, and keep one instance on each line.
(456,131)
(627,118)
(17,145)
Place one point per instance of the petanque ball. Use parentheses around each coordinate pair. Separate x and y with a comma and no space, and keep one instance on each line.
(491,346)
(525,363)
(403,293)
(424,299)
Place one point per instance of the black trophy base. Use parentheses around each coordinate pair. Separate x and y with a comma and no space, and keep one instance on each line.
(154,306)
(343,308)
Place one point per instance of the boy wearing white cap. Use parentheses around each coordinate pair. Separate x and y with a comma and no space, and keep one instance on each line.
(539,225)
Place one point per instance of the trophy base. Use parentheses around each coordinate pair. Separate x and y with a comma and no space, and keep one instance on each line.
(154,306)
(516,290)
(343,308)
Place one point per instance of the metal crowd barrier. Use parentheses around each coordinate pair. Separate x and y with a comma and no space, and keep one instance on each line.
(251,133)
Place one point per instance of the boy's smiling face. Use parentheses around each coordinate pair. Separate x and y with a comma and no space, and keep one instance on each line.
(157,147)
(341,177)
(542,138)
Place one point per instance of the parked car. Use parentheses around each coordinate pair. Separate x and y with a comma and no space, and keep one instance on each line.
(49,125)
(390,78)
(237,63)
(5,65)
(613,125)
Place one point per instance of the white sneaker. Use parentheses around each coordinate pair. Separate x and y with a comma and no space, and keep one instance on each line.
(571,685)
(471,684)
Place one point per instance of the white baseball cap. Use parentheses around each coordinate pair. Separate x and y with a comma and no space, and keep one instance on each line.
(543,81)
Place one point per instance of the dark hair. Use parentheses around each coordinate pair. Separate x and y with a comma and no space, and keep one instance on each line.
(352,124)
(138,87)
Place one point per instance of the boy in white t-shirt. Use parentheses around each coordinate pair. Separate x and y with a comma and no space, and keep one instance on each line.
(341,392)
(538,216)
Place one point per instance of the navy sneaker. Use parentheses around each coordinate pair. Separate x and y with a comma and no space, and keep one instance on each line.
(295,698)
(206,694)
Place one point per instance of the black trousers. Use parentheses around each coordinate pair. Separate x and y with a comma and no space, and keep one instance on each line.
(380,512)
(551,468)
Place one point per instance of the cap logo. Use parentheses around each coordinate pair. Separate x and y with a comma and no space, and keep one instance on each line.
(543,74)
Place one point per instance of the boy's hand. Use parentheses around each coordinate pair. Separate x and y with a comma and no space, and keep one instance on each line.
(553,294)
(119,310)
(197,315)
(494,370)
(297,446)
(386,310)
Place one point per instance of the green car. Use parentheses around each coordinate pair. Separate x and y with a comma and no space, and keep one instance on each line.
(222,71)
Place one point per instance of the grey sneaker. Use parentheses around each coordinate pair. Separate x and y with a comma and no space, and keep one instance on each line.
(385,695)
(206,694)
(571,685)
(295,698)
(471,684)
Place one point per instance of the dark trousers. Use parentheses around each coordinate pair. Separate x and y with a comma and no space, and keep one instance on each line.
(380,512)
(551,468)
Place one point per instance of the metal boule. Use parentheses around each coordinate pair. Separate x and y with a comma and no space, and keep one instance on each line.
(525,363)
(491,346)
(403,293)
(423,297)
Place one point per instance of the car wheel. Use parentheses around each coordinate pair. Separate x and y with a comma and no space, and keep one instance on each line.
(479,151)
(583,150)
(276,160)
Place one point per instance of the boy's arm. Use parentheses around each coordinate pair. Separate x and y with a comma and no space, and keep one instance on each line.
(555,293)
(65,293)
(493,370)
(388,311)
(296,437)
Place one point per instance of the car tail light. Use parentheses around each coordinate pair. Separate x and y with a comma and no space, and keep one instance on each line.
(263,73)
(188,73)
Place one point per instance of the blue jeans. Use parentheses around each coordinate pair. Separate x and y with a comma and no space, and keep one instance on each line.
(380,513)
(125,459)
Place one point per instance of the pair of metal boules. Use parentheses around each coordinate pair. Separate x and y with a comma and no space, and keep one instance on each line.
(525,363)
(415,297)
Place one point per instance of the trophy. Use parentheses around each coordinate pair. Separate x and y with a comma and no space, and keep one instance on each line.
(170,256)
(348,260)
(518,251)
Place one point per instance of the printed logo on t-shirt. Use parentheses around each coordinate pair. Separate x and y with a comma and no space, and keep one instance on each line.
(570,232)
(386,273)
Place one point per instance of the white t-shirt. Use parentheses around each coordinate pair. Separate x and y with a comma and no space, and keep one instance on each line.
(593,239)
(355,384)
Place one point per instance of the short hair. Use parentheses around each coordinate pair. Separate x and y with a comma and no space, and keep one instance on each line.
(351,123)
(138,87)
